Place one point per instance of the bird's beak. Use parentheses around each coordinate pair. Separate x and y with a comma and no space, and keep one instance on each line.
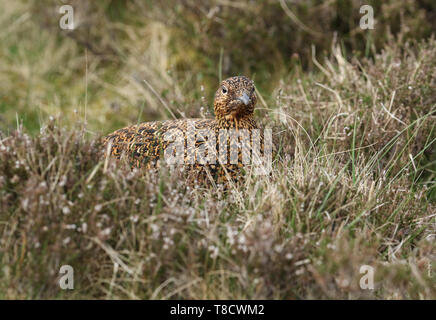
(244,98)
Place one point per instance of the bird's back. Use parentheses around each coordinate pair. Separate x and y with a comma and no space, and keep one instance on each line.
(143,143)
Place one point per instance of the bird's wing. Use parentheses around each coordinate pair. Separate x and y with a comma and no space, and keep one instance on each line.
(146,140)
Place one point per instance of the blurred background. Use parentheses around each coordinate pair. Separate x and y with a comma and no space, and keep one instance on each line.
(125,60)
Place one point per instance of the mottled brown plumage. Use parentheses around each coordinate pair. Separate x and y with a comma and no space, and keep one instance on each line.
(143,144)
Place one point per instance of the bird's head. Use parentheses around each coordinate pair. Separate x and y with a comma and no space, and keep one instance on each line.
(235,99)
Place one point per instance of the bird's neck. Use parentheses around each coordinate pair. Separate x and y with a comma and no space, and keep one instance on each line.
(245,122)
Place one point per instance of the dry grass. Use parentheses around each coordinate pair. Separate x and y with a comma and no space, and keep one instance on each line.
(353,182)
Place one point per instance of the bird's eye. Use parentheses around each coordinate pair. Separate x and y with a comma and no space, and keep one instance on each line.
(225,90)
